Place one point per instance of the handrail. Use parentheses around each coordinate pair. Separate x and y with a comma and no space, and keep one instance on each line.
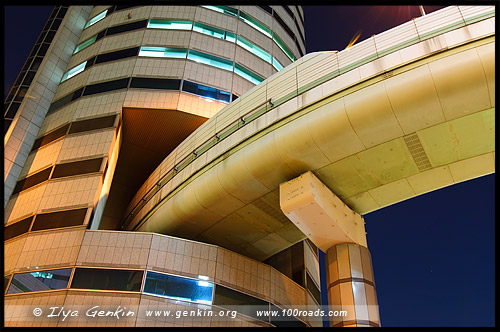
(245,119)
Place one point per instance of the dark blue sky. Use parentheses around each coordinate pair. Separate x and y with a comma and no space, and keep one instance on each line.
(433,255)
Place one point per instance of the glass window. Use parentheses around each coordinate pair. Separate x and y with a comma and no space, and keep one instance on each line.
(277,64)
(206,91)
(312,288)
(96,19)
(5,282)
(170,25)
(230,37)
(223,9)
(50,137)
(155,83)
(247,74)
(178,288)
(76,168)
(116,55)
(253,49)
(255,24)
(107,279)
(210,60)
(214,32)
(283,47)
(126,27)
(39,281)
(121,83)
(32,180)
(73,71)
(92,124)
(162,52)
(59,219)
(17,228)
(84,44)
(243,303)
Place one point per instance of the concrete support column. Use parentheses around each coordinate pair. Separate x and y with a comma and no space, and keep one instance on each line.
(350,285)
(340,232)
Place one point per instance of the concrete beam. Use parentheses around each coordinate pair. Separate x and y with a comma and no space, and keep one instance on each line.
(320,214)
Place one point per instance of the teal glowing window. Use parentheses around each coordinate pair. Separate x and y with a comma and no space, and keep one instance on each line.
(73,71)
(247,74)
(210,60)
(255,24)
(179,288)
(162,52)
(253,49)
(223,9)
(170,25)
(277,64)
(96,19)
(39,281)
(214,32)
(85,44)
(283,47)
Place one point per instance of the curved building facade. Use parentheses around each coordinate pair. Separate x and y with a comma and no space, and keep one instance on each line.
(106,94)
(208,125)
(130,83)
(87,271)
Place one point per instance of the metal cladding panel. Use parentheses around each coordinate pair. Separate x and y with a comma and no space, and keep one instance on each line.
(401,34)
(441,19)
(283,84)
(487,55)
(472,13)
(227,115)
(377,125)
(459,96)
(256,97)
(414,99)
(316,67)
(360,52)
(332,117)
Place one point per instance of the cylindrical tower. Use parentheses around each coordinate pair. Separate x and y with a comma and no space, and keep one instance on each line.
(128,84)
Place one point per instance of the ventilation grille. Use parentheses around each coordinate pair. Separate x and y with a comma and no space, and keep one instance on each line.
(417,152)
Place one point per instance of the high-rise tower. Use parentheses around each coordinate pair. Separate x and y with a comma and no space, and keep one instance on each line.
(105,95)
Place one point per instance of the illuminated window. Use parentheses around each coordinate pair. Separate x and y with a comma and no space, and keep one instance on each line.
(178,288)
(39,281)
(247,74)
(73,71)
(170,25)
(223,9)
(84,44)
(214,32)
(255,24)
(283,47)
(210,60)
(253,49)
(277,64)
(96,19)
(162,52)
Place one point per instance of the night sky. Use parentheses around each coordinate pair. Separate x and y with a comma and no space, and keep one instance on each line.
(433,255)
